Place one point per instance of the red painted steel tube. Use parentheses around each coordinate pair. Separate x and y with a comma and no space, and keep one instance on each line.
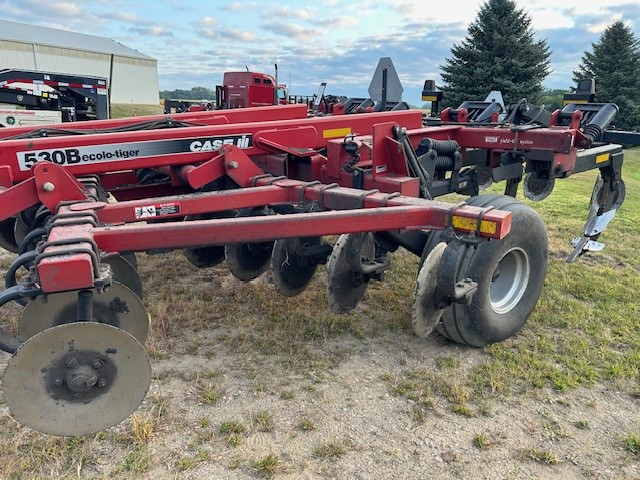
(101,153)
(212,117)
(181,205)
(558,140)
(272,227)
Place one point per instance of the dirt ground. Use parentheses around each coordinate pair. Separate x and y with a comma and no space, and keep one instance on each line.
(223,405)
(353,407)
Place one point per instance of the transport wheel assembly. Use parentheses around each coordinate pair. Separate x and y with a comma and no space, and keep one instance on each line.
(76,379)
(510,275)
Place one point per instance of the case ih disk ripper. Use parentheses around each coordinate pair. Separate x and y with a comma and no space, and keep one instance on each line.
(261,188)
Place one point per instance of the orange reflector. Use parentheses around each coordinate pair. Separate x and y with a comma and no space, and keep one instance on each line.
(471,224)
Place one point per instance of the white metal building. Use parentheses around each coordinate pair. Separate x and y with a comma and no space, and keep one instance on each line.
(132,76)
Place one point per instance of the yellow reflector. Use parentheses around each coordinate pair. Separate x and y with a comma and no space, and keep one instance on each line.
(336,132)
(471,224)
(602,158)
(429,98)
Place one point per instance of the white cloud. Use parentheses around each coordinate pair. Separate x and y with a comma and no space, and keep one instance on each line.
(207,22)
(292,30)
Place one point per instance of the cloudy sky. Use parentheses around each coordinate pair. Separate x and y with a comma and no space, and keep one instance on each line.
(335,41)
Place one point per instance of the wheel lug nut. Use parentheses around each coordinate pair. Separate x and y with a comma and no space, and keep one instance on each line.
(71,362)
(98,364)
(58,382)
(102,382)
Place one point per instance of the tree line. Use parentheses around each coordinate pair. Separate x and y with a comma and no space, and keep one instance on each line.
(501,53)
(196,93)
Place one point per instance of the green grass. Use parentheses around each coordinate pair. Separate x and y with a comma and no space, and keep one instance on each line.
(632,444)
(584,330)
(546,457)
(121,110)
(334,448)
(306,425)
(263,421)
(268,466)
(485,441)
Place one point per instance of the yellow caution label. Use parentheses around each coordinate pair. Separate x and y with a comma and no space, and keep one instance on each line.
(336,132)
(603,158)
(471,224)
(429,98)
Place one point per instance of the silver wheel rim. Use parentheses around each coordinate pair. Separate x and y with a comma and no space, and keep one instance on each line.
(510,280)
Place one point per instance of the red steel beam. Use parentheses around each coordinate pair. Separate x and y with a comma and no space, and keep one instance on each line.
(212,117)
(102,153)
(264,228)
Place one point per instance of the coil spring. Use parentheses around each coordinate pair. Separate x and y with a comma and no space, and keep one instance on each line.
(442,152)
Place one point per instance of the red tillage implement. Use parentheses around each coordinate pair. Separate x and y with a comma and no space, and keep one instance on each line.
(260,188)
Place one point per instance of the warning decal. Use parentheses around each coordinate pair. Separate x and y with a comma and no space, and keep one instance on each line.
(158,210)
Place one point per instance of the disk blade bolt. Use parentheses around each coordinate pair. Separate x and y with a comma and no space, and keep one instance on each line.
(71,362)
(81,379)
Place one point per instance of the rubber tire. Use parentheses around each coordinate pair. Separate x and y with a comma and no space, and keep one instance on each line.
(478,324)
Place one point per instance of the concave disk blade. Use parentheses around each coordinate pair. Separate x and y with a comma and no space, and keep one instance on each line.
(117,306)
(124,273)
(208,256)
(345,287)
(204,257)
(247,261)
(537,188)
(424,313)
(7,235)
(37,379)
(291,271)
(131,258)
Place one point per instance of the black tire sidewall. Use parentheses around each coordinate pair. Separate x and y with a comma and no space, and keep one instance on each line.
(478,324)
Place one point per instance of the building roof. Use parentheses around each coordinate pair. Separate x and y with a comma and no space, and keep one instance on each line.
(24,33)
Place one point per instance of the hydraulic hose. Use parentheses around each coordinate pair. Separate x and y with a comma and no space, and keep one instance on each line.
(9,343)
(10,280)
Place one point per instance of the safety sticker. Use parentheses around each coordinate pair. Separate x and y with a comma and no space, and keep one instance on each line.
(158,210)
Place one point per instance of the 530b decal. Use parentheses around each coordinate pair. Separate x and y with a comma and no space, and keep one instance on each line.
(127,151)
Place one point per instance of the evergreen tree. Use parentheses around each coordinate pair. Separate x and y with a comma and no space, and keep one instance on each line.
(615,65)
(498,53)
